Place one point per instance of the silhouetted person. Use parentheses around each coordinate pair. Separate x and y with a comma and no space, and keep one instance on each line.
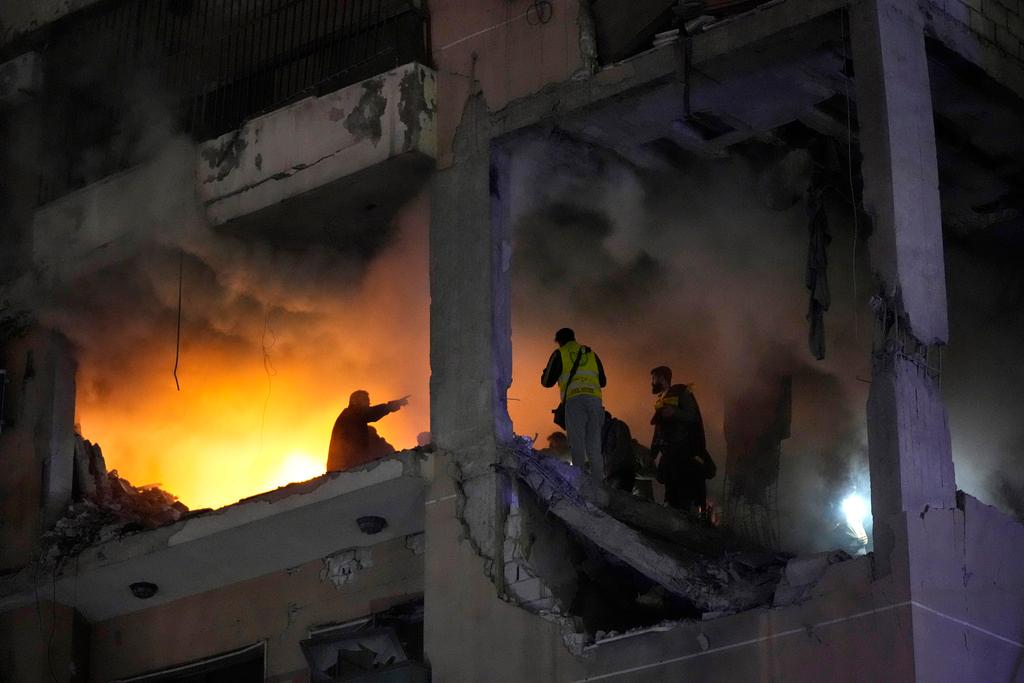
(680,452)
(353,441)
(580,377)
(618,446)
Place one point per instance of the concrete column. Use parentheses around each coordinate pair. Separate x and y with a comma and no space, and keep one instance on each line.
(910,452)
(471,369)
(470,347)
(470,351)
(913,492)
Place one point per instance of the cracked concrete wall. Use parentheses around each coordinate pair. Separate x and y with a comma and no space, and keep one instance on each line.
(848,628)
(478,42)
(37,445)
(922,538)
(278,608)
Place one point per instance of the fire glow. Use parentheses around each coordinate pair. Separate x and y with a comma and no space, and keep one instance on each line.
(268,358)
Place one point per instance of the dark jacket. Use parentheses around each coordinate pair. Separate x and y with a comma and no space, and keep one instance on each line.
(553,371)
(353,441)
(677,422)
(679,437)
(617,445)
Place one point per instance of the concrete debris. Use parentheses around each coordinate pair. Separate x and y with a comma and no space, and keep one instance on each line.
(417,543)
(649,517)
(802,573)
(731,582)
(106,506)
(342,568)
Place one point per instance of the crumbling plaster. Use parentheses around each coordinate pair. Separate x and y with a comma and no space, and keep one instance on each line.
(318,140)
(845,628)
(220,547)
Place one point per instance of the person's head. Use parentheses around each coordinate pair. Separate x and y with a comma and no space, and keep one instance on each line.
(359,399)
(661,379)
(424,439)
(564,336)
(558,441)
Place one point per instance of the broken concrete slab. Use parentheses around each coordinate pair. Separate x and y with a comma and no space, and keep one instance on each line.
(717,585)
(221,547)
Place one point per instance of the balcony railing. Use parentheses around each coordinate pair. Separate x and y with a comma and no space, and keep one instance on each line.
(215,63)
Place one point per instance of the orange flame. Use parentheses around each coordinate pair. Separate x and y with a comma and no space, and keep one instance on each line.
(237,428)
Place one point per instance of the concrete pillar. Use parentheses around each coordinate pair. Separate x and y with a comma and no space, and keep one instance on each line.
(470,348)
(913,492)
(901,181)
(471,369)
(910,452)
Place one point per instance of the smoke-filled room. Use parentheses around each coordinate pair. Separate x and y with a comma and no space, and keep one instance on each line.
(511,340)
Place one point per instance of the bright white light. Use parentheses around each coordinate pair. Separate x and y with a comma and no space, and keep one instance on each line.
(856,509)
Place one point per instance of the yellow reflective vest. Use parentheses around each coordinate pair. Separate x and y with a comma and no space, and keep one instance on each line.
(586,381)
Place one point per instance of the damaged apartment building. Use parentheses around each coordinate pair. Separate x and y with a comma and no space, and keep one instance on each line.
(204,157)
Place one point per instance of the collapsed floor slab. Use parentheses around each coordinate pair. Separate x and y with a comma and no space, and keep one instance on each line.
(729,582)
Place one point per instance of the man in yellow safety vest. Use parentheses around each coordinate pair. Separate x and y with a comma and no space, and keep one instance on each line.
(580,376)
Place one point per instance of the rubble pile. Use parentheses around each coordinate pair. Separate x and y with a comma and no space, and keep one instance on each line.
(106,506)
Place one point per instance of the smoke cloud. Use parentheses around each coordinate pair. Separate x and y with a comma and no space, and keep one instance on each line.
(273,340)
(691,267)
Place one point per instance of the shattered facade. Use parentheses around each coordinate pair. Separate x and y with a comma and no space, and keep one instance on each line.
(487,546)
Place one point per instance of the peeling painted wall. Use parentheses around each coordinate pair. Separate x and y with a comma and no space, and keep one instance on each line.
(317,140)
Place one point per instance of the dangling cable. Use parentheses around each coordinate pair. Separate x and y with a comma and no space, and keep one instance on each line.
(843,22)
(177,343)
(268,367)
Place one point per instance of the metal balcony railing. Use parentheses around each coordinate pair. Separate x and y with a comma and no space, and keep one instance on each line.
(214,63)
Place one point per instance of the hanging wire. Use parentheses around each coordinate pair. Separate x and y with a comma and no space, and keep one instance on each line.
(843,19)
(269,369)
(177,343)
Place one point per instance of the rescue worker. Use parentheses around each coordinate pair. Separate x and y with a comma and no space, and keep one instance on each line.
(558,447)
(681,458)
(619,450)
(580,377)
(353,441)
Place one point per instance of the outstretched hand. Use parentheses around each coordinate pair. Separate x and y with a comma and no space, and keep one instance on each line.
(398,403)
